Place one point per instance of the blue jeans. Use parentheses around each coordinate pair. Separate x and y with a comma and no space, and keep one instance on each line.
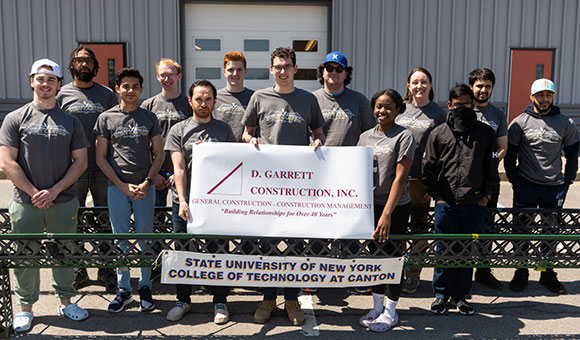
(161,195)
(120,208)
(455,219)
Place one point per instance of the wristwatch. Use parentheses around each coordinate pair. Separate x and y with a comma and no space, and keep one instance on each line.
(149,180)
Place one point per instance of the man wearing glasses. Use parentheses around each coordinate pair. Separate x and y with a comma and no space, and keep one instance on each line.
(86,99)
(346,113)
(170,107)
(282,115)
(460,172)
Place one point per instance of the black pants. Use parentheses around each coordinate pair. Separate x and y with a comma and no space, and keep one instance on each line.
(399,222)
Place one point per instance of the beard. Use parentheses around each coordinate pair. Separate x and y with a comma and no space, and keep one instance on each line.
(83,76)
(481,101)
(540,110)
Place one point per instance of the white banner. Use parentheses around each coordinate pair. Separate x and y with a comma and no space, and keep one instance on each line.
(281,191)
(180,267)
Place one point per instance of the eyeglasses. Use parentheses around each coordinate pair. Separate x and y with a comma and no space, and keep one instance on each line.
(279,68)
(80,60)
(329,68)
(462,105)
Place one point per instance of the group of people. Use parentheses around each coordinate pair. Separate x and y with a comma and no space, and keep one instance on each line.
(82,137)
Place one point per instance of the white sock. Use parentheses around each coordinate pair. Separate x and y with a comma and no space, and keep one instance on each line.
(378,302)
(390,308)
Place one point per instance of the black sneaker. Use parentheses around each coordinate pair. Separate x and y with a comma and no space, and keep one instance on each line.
(464,308)
(520,280)
(485,277)
(81,278)
(120,302)
(549,279)
(146,304)
(439,306)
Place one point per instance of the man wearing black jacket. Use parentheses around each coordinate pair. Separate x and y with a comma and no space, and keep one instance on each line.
(460,172)
(536,138)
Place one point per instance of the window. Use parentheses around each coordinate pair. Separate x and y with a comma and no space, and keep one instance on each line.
(305,74)
(305,45)
(256,45)
(207,45)
(258,73)
(208,73)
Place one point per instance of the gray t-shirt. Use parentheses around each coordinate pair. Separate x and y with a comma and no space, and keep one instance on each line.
(183,135)
(169,112)
(346,116)
(420,121)
(129,135)
(283,119)
(389,148)
(87,105)
(230,108)
(541,141)
(45,140)
(493,117)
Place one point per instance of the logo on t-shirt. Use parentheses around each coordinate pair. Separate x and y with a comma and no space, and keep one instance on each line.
(130,132)
(337,113)
(232,108)
(491,123)
(382,150)
(170,115)
(284,116)
(543,135)
(412,122)
(45,130)
(85,108)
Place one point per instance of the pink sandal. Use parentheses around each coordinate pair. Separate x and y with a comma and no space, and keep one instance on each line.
(368,318)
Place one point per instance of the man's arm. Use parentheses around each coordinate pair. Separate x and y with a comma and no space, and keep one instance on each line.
(502,145)
(509,162)
(430,172)
(180,179)
(491,179)
(10,166)
(571,167)
(249,135)
(158,158)
(319,138)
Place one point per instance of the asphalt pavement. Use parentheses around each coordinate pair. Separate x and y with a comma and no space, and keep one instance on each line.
(331,313)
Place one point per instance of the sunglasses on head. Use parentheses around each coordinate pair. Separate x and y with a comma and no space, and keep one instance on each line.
(329,68)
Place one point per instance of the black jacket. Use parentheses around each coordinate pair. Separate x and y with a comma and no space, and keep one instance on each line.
(460,167)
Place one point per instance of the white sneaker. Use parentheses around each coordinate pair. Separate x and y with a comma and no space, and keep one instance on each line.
(221,314)
(177,312)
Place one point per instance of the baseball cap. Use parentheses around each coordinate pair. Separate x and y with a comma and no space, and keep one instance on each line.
(336,57)
(543,84)
(37,67)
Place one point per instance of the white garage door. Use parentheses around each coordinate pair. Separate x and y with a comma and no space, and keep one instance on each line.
(256,30)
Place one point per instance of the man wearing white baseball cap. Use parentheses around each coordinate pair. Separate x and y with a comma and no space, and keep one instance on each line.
(43,151)
(536,139)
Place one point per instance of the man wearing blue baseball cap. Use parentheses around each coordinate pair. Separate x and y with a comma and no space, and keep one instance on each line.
(536,139)
(346,113)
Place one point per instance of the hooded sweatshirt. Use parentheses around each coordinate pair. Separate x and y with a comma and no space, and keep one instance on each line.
(537,141)
(460,166)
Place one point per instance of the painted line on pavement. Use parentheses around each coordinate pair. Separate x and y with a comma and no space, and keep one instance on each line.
(310,326)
